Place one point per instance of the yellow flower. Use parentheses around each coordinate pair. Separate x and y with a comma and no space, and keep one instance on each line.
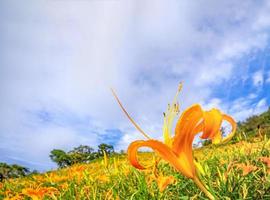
(103,178)
(177,150)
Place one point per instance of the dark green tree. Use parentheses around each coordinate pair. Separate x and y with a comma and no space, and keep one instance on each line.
(61,158)
(82,154)
(12,171)
(105,147)
(18,171)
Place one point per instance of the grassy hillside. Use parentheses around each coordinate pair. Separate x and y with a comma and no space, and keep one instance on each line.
(251,125)
(238,170)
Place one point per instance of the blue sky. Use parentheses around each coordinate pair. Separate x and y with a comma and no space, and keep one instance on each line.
(59,58)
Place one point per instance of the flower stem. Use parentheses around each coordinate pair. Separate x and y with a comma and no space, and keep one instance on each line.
(203,188)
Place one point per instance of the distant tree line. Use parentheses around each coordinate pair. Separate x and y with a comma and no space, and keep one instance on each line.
(12,171)
(80,154)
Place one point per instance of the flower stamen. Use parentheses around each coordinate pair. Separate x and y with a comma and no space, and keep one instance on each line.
(129,117)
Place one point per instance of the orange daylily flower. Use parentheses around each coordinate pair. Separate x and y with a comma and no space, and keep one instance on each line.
(246,169)
(39,193)
(177,150)
(34,193)
(191,122)
(164,181)
(212,121)
(265,160)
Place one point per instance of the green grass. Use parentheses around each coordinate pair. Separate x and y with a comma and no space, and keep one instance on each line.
(119,180)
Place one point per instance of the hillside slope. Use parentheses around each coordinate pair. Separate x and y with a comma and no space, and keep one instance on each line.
(256,122)
(238,170)
(232,171)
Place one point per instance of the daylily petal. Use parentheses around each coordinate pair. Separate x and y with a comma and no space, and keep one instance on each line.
(217,138)
(199,128)
(265,160)
(212,122)
(233,124)
(185,128)
(164,151)
(210,126)
(184,135)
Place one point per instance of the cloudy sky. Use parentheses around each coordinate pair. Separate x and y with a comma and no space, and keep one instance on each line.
(58,59)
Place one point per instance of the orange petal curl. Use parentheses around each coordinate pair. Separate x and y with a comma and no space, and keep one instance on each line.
(163,150)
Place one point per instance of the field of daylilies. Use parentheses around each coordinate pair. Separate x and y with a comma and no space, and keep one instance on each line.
(222,169)
(231,171)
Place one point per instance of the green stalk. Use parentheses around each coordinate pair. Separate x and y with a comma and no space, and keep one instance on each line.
(203,188)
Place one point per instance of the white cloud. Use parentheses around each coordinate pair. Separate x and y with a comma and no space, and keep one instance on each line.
(213,103)
(68,53)
(258,78)
(243,107)
(252,96)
